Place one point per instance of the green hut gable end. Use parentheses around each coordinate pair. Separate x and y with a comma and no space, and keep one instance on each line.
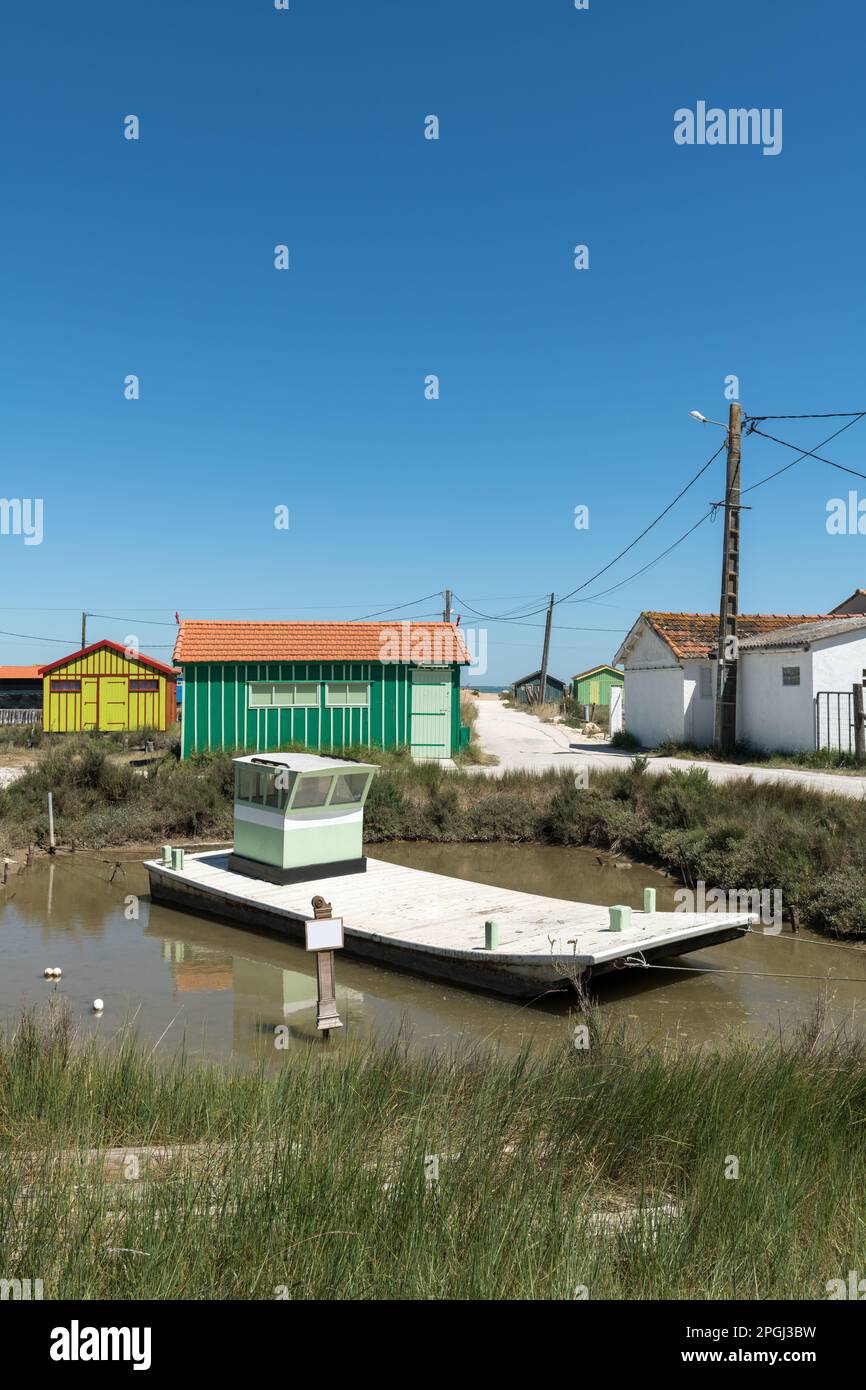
(593,687)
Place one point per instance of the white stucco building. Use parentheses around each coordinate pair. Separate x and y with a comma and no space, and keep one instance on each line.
(788,665)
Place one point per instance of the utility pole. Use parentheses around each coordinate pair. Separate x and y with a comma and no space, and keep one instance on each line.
(446,616)
(83,631)
(729,605)
(543,684)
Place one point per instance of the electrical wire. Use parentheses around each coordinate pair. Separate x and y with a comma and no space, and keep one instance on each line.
(646,529)
(827,415)
(808,453)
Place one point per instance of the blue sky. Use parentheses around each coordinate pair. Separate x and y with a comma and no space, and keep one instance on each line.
(408,257)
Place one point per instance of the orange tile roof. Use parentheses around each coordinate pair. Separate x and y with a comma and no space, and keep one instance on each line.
(691,635)
(204,640)
(19,673)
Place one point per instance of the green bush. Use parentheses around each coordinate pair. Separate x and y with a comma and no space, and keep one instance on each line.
(623,739)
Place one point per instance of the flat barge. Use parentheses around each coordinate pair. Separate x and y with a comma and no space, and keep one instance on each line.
(435,926)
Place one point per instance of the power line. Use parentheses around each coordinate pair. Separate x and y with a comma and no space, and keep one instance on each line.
(29,637)
(637,573)
(807,453)
(646,529)
(828,415)
(148,622)
(397,607)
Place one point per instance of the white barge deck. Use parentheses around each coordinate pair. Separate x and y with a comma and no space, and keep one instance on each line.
(432,925)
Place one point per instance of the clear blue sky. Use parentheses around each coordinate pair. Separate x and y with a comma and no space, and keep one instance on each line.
(409,257)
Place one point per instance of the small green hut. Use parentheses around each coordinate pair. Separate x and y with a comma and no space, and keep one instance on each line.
(593,687)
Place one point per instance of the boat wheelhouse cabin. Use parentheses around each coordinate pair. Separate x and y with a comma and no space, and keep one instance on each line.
(299,816)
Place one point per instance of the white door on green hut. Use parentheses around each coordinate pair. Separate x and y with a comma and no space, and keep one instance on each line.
(431,713)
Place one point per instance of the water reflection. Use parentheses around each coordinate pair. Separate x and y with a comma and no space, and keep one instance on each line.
(223,992)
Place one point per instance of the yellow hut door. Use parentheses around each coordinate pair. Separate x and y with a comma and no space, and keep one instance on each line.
(115,702)
(89,702)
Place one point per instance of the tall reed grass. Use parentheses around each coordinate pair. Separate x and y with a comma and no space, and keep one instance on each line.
(604,1170)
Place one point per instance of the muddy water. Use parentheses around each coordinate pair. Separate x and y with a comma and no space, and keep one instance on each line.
(221,991)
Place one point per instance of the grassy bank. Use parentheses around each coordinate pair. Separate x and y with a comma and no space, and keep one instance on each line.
(743,754)
(313,1182)
(742,836)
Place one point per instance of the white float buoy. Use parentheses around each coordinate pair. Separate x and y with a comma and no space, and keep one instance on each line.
(57,972)
(48,972)
(98,1006)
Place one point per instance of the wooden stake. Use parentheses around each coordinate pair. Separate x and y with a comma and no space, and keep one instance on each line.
(51,844)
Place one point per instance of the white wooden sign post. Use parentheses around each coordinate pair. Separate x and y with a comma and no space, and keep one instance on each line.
(324,935)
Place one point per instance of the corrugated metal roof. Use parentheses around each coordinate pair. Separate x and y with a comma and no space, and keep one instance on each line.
(225,640)
(803,634)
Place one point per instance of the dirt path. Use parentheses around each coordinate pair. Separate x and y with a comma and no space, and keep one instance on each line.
(521,741)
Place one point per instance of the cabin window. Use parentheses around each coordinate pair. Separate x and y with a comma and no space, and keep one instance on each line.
(137,683)
(276,796)
(790,675)
(65,685)
(349,788)
(245,784)
(353,693)
(283,695)
(259,786)
(311,791)
(706,683)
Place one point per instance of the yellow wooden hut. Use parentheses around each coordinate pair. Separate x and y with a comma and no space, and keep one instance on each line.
(106,686)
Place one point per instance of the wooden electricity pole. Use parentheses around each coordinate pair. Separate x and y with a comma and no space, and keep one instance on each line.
(83,631)
(729,605)
(446,616)
(542,689)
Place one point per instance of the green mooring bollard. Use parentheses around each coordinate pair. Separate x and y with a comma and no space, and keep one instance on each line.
(620,918)
(491,936)
(166,854)
(649,900)
(177,859)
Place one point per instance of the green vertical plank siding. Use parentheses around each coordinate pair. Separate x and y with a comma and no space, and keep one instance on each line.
(216,713)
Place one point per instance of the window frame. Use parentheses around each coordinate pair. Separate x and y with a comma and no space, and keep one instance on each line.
(254,687)
(331,703)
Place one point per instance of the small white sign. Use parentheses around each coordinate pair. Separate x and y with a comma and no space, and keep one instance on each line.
(324,934)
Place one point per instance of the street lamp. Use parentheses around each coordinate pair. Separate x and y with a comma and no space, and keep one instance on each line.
(702,419)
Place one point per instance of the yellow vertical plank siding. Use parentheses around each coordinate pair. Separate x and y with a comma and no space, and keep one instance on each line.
(104,700)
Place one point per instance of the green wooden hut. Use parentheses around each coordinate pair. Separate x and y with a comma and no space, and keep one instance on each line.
(593,687)
(328,685)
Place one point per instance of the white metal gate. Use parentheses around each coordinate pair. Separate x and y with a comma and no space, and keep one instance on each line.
(834,720)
